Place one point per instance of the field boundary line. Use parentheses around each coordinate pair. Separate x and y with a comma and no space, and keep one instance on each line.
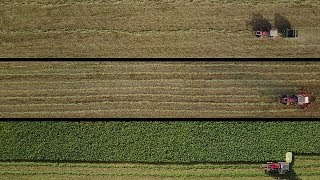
(130,95)
(128,165)
(151,87)
(178,80)
(146,102)
(152,110)
(219,174)
(37,4)
(182,63)
(164,73)
(128,32)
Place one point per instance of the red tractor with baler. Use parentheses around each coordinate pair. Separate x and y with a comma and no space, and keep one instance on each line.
(279,168)
(272,33)
(302,99)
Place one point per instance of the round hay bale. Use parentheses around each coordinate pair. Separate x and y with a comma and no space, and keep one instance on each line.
(289,157)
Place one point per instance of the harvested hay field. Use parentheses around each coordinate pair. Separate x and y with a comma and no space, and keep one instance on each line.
(304,168)
(155,89)
(156,28)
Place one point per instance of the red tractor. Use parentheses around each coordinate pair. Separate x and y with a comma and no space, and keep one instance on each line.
(303,99)
(271,33)
(279,168)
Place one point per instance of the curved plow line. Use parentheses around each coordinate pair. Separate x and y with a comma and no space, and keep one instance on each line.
(167,73)
(146,102)
(236,174)
(153,110)
(159,80)
(131,95)
(151,87)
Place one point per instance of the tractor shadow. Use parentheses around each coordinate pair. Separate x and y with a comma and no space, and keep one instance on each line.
(258,22)
(281,23)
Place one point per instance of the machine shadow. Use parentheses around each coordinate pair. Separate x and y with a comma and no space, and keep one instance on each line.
(281,23)
(258,22)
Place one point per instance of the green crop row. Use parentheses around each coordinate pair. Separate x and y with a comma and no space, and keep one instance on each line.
(155,141)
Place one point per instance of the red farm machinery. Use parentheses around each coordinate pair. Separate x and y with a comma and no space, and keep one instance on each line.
(279,168)
(302,99)
(272,33)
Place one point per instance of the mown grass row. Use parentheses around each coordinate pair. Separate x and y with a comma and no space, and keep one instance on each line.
(305,167)
(97,30)
(149,76)
(92,2)
(99,171)
(160,113)
(171,175)
(148,90)
(156,141)
(140,174)
(67,88)
(80,67)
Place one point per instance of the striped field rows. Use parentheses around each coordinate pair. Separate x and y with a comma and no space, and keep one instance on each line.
(303,168)
(214,89)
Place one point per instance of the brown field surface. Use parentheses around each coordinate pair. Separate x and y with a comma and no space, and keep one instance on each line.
(155,89)
(305,167)
(156,28)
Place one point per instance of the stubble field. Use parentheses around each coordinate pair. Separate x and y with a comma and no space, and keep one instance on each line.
(306,168)
(155,89)
(165,28)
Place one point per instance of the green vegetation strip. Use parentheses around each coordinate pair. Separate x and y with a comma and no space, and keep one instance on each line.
(174,142)
(132,165)
(227,174)
(145,166)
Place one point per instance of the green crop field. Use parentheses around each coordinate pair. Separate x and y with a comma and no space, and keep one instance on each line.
(174,142)
(155,89)
(155,150)
(156,28)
